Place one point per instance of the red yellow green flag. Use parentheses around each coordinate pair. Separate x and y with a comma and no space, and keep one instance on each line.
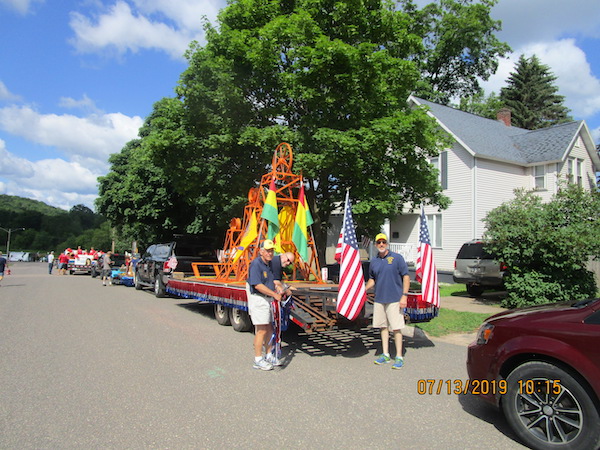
(303,221)
(250,234)
(270,212)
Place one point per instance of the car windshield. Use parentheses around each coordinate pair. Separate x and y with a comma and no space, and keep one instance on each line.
(473,251)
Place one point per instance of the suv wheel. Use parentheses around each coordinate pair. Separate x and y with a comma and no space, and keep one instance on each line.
(548,407)
(136,281)
(474,290)
(159,287)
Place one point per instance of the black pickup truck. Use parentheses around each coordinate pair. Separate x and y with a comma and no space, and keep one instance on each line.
(156,265)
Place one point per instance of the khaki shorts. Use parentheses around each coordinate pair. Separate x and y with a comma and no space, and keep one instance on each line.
(259,308)
(388,315)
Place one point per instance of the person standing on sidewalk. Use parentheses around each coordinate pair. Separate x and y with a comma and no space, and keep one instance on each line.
(3,263)
(107,269)
(261,284)
(50,262)
(388,272)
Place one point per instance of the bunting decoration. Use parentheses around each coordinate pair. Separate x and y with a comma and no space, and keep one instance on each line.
(303,221)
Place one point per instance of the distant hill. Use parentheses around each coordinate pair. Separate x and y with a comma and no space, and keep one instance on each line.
(41,227)
(12,203)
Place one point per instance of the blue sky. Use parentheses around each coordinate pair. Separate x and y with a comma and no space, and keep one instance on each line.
(77,78)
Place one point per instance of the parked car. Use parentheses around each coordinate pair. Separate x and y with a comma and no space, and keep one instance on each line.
(160,261)
(541,366)
(477,269)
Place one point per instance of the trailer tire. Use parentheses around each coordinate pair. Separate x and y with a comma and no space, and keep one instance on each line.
(222,314)
(240,319)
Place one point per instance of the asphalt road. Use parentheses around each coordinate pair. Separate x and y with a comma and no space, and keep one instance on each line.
(87,366)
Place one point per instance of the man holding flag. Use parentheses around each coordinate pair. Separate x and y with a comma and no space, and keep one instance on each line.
(388,272)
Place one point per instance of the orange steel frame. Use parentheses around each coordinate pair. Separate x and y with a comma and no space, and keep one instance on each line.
(287,187)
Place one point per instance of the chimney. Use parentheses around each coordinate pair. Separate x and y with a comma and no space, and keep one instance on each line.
(504,116)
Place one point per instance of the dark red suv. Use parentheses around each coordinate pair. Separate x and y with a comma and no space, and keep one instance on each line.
(541,365)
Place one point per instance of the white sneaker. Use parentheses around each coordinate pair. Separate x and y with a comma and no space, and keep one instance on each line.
(263,364)
(273,360)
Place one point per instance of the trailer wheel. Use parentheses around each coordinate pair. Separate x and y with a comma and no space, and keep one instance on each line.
(222,315)
(240,319)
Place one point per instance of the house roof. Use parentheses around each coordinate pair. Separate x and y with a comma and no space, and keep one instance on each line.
(492,139)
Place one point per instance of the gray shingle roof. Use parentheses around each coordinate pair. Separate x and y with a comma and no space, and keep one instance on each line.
(492,139)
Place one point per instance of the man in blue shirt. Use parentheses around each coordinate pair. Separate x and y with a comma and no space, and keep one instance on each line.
(388,272)
(261,281)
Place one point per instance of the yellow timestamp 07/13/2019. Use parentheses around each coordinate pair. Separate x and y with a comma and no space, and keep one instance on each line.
(438,386)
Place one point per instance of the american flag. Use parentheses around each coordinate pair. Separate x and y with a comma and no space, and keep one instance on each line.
(352,294)
(425,271)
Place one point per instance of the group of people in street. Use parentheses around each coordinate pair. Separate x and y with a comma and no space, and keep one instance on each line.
(388,275)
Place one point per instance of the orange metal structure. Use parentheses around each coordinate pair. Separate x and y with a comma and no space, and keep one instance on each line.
(229,269)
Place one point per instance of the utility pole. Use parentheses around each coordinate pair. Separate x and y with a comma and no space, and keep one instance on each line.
(9,231)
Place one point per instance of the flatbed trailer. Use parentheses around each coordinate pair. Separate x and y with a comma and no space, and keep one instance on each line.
(313,307)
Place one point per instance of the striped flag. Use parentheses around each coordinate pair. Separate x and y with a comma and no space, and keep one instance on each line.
(425,271)
(250,234)
(352,294)
(338,248)
(303,221)
(270,212)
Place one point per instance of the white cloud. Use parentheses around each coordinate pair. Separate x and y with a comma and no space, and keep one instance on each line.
(13,166)
(21,6)
(124,30)
(187,14)
(568,63)
(546,20)
(54,181)
(6,95)
(94,137)
(85,104)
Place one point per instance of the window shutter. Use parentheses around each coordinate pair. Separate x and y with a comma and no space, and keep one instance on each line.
(444,169)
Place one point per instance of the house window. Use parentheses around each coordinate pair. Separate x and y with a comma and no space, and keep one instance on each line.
(539,175)
(575,171)
(441,164)
(434,223)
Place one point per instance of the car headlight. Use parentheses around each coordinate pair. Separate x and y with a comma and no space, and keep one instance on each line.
(485,333)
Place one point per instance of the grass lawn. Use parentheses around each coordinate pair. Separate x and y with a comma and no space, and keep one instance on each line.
(449,321)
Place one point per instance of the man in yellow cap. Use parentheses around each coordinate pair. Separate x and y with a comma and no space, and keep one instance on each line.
(388,272)
(261,281)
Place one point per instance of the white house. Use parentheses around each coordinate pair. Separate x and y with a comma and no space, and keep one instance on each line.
(488,161)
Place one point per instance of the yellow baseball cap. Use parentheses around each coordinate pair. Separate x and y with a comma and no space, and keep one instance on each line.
(268,244)
(381,236)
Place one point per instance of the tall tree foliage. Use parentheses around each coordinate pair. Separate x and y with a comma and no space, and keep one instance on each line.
(532,97)
(546,245)
(331,78)
(459,47)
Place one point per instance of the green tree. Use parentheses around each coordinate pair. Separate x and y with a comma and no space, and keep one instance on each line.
(460,47)
(532,97)
(481,105)
(546,246)
(331,78)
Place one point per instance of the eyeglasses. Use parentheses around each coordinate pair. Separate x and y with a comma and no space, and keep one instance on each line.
(381,242)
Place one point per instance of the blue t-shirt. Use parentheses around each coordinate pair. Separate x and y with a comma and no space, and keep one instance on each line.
(260,273)
(388,273)
(2,263)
